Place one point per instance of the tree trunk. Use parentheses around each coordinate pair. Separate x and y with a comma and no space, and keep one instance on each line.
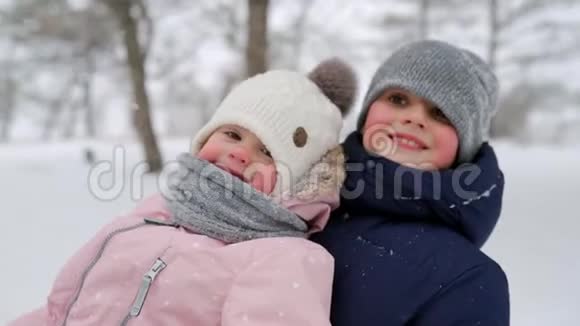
(299,31)
(73,109)
(136,63)
(493,33)
(257,46)
(6,108)
(69,128)
(423,19)
(55,110)
(492,49)
(87,88)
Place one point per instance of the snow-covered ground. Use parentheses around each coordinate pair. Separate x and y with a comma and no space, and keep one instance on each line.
(52,203)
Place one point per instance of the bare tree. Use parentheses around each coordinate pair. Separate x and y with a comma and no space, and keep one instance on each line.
(7,93)
(257,44)
(562,35)
(91,49)
(423,19)
(493,33)
(404,27)
(523,99)
(287,44)
(7,90)
(439,13)
(226,15)
(504,18)
(136,56)
(70,38)
(87,98)
(300,30)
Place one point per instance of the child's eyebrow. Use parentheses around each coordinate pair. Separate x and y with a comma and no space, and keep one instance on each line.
(230,128)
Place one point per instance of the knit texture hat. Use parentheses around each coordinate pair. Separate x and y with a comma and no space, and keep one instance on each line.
(456,80)
(298,118)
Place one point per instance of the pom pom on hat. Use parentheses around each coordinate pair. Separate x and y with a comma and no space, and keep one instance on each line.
(337,81)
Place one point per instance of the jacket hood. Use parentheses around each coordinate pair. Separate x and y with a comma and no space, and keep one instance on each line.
(317,193)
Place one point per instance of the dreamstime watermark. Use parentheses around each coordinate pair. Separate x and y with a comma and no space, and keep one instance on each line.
(110,179)
(381,139)
(408,183)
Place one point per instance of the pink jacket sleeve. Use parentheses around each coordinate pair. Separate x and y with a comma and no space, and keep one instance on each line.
(283,289)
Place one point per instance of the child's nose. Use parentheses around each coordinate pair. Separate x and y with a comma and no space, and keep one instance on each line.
(240,155)
(416,116)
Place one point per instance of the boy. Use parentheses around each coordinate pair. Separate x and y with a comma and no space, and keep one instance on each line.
(413,217)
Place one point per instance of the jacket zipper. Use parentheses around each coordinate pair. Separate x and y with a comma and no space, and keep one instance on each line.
(146,283)
(99,254)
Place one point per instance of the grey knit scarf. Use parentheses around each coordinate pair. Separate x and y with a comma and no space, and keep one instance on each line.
(210,201)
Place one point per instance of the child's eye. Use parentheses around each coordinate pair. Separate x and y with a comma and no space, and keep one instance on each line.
(266,152)
(438,115)
(233,135)
(398,99)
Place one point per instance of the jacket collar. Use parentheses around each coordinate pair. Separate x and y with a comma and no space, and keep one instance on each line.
(467,198)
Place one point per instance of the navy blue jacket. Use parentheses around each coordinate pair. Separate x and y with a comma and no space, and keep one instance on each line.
(410,255)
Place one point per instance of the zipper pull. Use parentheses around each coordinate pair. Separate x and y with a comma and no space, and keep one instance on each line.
(146,282)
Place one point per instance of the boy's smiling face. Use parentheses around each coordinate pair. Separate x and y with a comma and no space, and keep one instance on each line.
(409,130)
(242,154)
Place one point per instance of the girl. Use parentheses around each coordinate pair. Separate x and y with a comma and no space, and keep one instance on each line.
(228,247)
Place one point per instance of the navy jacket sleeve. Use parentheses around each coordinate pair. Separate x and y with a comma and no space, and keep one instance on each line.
(479,296)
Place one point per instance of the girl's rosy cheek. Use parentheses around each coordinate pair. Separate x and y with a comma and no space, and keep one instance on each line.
(264,180)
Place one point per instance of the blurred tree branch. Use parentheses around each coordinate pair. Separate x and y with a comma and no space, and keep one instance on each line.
(257,42)
(136,56)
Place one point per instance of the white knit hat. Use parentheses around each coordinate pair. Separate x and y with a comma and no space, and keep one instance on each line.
(298,118)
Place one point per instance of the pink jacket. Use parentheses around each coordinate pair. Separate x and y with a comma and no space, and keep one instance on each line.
(137,273)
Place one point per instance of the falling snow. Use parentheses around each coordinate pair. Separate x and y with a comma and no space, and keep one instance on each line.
(525,217)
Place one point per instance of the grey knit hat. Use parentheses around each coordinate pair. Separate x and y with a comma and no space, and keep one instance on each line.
(456,80)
